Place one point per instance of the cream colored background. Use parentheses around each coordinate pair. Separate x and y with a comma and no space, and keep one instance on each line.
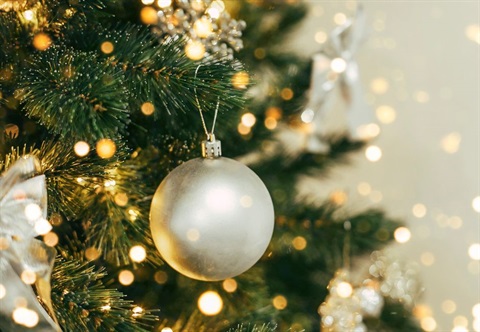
(432,69)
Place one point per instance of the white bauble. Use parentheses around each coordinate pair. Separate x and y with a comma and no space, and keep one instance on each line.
(211,218)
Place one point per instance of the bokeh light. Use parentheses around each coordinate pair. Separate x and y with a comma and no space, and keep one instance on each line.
(195,50)
(419,210)
(373,153)
(81,148)
(42,41)
(126,277)
(230,285)
(106,148)
(386,114)
(137,253)
(279,302)
(344,289)
(474,251)
(402,235)
(210,303)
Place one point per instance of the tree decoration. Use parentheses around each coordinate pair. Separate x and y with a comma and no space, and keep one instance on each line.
(335,85)
(24,261)
(17,5)
(208,26)
(211,218)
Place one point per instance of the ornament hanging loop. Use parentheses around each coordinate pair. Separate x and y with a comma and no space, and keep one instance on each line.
(211,148)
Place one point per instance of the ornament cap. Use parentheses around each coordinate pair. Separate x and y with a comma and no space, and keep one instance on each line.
(211,148)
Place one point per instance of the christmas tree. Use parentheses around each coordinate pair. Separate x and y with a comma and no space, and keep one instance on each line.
(103,99)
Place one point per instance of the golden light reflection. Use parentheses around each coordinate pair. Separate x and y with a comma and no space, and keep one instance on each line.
(195,50)
(248,119)
(148,15)
(428,324)
(230,285)
(402,235)
(126,277)
(299,243)
(106,148)
(386,114)
(280,302)
(474,251)
(107,47)
(419,210)
(286,94)
(364,188)
(449,306)
(41,41)
(210,303)
(50,239)
(81,148)
(451,142)
(137,253)
(373,153)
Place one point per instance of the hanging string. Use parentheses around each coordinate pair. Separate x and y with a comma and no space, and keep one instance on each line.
(200,108)
(347,225)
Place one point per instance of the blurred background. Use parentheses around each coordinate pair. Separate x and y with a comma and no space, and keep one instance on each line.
(420,70)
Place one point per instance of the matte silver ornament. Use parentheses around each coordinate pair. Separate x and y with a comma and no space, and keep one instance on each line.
(212,218)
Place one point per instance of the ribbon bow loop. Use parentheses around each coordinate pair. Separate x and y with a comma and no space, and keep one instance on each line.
(25,260)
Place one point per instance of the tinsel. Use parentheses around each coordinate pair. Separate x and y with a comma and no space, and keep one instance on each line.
(204,21)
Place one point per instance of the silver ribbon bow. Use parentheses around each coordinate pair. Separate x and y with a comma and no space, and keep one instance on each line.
(335,85)
(24,260)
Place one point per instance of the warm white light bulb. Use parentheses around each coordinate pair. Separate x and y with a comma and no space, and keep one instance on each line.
(210,303)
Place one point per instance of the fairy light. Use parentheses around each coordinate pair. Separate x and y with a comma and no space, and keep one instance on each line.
(42,226)
(460,321)
(29,277)
(148,15)
(243,130)
(215,9)
(240,80)
(476,310)
(25,317)
(166,329)
(379,85)
(428,324)
(402,235)
(121,199)
(210,303)
(271,123)
(385,114)
(147,108)
(195,50)
(3,291)
(321,37)
(419,210)
(248,119)
(339,18)
(137,312)
(451,142)
(373,153)
(364,188)
(160,277)
(29,15)
(427,258)
(474,251)
(164,3)
(137,253)
(203,27)
(344,289)
(41,41)
(286,94)
(126,277)
(33,212)
(476,204)
(230,285)
(51,239)
(148,2)
(339,197)
(106,307)
(110,183)
(299,243)
(106,148)
(422,97)
(81,148)
(449,306)
(92,253)
(107,47)
(472,32)
(338,65)
(280,302)
(368,131)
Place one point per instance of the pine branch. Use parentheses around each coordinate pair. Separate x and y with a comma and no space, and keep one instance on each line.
(75,95)
(83,303)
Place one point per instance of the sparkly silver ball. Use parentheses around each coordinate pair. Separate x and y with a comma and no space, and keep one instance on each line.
(211,219)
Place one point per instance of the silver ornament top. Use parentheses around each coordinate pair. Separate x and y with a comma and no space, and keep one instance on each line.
(211,148)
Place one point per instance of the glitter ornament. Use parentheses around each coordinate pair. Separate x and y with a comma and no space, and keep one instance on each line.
(211,218)
(206,22)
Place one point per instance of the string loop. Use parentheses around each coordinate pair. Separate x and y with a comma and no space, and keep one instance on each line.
(210,135)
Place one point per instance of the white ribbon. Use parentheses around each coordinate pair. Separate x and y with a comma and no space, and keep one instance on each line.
(335,85)
(24,260)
